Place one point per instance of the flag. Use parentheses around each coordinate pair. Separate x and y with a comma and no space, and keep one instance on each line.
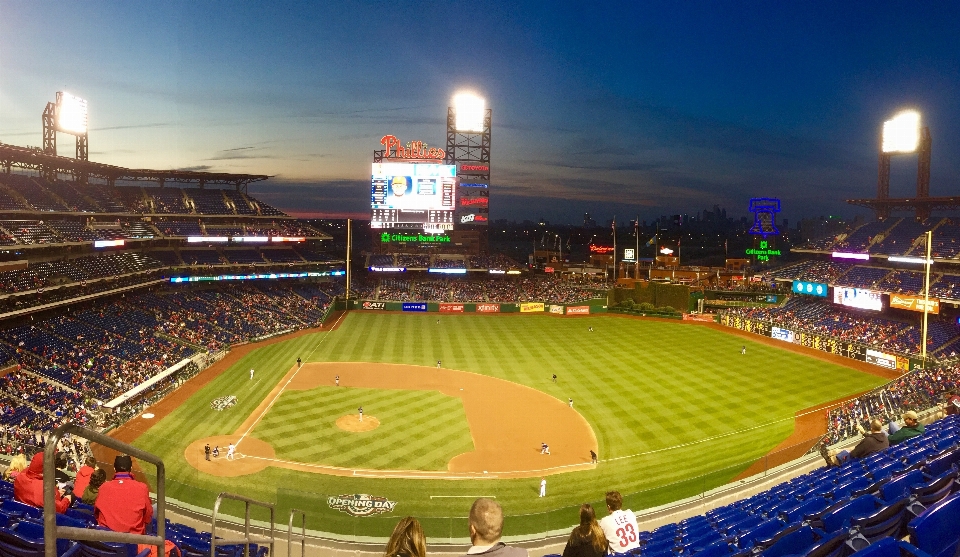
(650,242)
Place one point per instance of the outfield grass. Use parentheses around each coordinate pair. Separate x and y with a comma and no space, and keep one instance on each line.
(676,409)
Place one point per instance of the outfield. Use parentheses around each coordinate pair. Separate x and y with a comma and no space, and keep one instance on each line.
(675,407)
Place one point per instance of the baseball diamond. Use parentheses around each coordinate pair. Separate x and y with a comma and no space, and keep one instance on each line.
(635,393)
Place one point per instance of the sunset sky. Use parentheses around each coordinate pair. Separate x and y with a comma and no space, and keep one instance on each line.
(622,108)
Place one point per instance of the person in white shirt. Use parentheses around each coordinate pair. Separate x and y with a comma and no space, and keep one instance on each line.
(620,526)
(251,374)
(230,450)
(543,487)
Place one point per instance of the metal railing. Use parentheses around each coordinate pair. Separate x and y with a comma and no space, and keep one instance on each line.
(247,540)
(50,529)
(303,533)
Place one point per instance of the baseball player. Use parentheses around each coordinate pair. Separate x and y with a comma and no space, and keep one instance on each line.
(299,362)
(743,350)
(554,377)
(337,380)
(571,403)
(593,457)
(251,374)
(216,451)
(230,451)
(438,364)
(543,487)
(361,413)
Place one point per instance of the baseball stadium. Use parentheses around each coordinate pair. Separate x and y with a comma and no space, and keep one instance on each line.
(260,374)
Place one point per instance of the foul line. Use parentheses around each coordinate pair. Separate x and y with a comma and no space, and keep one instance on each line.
(269,406)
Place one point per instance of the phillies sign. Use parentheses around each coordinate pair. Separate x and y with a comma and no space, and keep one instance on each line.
(392,149)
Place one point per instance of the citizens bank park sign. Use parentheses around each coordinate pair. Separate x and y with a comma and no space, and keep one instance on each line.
(361,504)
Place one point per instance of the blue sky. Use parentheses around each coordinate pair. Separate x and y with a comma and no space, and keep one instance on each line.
(622,108)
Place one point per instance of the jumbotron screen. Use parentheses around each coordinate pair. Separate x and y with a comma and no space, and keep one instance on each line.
(413,195)
(858,298)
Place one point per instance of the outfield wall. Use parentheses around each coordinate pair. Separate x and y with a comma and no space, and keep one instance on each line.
(588,307)
(854,350)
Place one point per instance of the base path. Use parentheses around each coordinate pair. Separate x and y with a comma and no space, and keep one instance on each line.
(508,421)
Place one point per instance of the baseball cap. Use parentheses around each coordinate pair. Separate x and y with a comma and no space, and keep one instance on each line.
(123,463)
(910,415)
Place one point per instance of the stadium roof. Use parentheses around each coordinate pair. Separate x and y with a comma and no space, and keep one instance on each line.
(35,159)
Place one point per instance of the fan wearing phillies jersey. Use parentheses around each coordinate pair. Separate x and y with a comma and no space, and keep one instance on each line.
(620,526)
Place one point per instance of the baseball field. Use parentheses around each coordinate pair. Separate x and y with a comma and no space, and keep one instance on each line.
(671,409)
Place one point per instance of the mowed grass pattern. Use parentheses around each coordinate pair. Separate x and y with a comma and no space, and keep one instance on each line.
(676,409)
(301,426)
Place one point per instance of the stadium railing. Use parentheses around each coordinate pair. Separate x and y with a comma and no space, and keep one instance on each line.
(247,539)
(51,531)
(303,532)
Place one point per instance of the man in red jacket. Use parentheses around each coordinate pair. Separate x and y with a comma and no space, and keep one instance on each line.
(28,486)
(123,504)
(83,475)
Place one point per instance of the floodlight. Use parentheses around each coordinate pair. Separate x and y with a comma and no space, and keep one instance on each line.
(72,114)
(902,133)
(470,109)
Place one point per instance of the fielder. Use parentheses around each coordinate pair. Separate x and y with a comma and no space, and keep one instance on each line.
(543,487)
(337,380)
(743,350)
(361,413)
(571,403)
(438,364)
(251,374)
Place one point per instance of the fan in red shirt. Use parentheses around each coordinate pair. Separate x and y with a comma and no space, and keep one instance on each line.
(83,475)
(123,504)
(28,486)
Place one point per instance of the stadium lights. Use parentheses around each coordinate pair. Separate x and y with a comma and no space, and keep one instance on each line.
(469,110)
(901,134)
(844,255)
(72,114)
(920,260)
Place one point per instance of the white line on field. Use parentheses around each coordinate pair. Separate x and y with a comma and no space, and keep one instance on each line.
(280,392)
(464,496)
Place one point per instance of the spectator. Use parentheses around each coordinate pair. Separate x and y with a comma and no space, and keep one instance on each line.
(486,527)
(17,465)
(911,428)
(407,540)
(28,487)
(123,504)
(588,539)
(83,475)
(872,442)
(90,493)
(620,526)
(952,404)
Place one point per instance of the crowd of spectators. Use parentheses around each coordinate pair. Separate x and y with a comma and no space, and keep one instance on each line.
(871,330)
(917,390)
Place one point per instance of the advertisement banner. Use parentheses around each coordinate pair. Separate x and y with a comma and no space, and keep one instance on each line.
(878,358)
(374,305)
(579,310)
(414,306)
(451,308)
(488,308)
(810,288)
(556,309)
(914,303)
(532,307)
(361,504)
(785,335)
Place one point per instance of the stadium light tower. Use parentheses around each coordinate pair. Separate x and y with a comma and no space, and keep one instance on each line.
(468,147)
(903,134)
(68,115)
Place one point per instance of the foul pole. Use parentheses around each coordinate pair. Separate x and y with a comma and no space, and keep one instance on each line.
(349,240)
(926,300)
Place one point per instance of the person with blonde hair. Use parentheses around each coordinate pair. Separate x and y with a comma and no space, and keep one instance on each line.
(588,539)
(17,465)
(407,540)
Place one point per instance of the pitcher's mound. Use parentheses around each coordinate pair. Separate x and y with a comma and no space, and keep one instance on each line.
(352,423)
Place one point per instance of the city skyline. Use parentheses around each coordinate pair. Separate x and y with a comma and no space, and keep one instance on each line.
(650,109)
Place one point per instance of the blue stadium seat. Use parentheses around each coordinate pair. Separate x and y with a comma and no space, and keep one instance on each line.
(839,516)
(899,487)
(934,490)
(890,547)
(796,542)
(936,531)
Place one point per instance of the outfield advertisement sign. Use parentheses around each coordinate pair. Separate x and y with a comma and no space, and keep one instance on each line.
(914,303)
(810,288)
(451,308)
(785,335)
(532,307)
(414,306)
(361,504)
(578,310)
(374,305)
(488,308)
(881,359)
(556,309)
